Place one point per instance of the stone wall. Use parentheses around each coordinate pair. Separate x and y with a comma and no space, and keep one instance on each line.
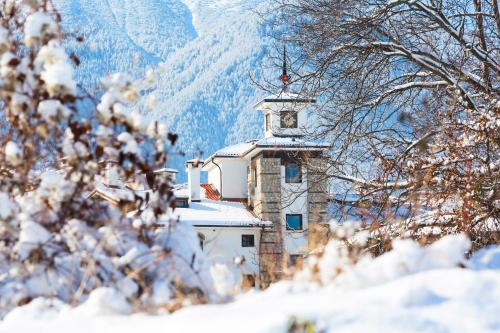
(317,201)
(266,204)
(265,199)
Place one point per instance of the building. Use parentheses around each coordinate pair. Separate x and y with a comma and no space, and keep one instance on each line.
(263,197)
(265,200)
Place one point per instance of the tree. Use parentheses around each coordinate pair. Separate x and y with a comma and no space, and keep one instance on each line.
(409,96)
(55,240)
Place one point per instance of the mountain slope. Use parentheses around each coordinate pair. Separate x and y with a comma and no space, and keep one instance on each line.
(206,48)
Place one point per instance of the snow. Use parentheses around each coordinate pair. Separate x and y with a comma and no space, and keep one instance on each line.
(54,187)
(239,149)
(4,34)
(37,25)
(104,301)
(224,278)
(131,145)
(53,110)
(430,297)
(13,154)
(182,191)
(190,44)
(56,70)
(115,194)
(287,141)
(166,170)
(285,95)
(214,213)
(242,149)
(407,257)
(32,236)
(5,206)
(217,213)
(4,63)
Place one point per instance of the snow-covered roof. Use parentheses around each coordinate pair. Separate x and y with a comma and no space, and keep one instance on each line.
(214,212)
(284,97)
(167,170)
(236,150)
(116,194)
(218,213)
(181,190)
(242,149)
(289,142)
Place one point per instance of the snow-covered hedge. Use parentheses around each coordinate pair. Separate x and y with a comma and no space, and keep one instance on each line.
(57,239)
(409,289)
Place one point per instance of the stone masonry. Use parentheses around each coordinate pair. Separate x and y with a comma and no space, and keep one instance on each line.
(265,199)
(266,205)
(317,201)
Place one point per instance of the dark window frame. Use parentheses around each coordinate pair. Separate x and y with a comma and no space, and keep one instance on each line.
(247,240)
(294,229)
(283,114)
(293,180)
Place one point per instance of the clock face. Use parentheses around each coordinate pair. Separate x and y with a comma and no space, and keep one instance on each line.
(289,119)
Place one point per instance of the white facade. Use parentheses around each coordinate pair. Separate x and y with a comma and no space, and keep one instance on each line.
(193,169)
(280,106)
(275,128)
(234,176)
(222,218)
(221,225)
(294,201)
(224,245)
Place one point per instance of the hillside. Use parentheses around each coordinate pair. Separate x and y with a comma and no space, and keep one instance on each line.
(207,50)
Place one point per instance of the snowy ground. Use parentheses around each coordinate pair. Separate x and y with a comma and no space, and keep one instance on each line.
(407,290)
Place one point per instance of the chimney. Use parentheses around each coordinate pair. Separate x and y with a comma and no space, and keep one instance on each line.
(193,168)
(112,175)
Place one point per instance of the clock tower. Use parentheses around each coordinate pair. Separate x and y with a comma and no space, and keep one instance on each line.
(285,114)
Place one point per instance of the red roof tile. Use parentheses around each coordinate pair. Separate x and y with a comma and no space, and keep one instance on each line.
(210,192)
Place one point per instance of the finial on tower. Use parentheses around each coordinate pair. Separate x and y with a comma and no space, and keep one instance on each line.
(284,77)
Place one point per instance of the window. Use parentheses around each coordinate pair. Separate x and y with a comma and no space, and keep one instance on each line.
(247,241)
(293,173)
(288,119)
(268,122)
(181,204)
(293,221)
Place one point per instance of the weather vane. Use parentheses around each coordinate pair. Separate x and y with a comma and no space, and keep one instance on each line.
(284,77)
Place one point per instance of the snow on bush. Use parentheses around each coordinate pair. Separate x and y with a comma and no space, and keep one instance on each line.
(57,239)
(345,261)
(12,153)
(409,289)
(37,25)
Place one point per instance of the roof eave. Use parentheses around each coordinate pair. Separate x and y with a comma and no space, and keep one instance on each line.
(262,104)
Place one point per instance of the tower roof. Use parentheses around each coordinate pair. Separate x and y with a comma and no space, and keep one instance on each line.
(283,97)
